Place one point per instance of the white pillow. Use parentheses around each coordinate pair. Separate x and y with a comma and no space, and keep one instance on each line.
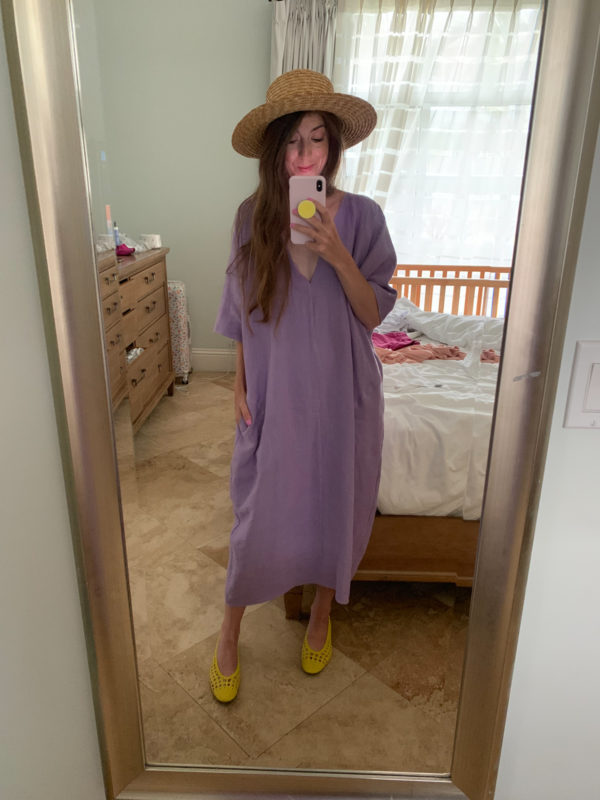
(396,320)
(484,333)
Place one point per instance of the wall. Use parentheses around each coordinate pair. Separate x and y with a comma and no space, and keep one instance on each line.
(92,110)
(48,749)
(552,736)
(175,80)
(48,746)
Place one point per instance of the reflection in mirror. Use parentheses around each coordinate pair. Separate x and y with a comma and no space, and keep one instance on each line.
(159,102)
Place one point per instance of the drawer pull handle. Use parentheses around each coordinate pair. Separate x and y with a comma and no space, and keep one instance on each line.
(149,279)
(116,340)
(151,308)
(155,338)
(111,309)
(137,381)
(111,279)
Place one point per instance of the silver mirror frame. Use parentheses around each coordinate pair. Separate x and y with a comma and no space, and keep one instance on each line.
(42,61)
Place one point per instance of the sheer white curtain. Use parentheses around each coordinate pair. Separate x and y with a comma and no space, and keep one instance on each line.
(303,36)
(452,82)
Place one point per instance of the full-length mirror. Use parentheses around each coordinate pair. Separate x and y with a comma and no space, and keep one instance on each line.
(161,92)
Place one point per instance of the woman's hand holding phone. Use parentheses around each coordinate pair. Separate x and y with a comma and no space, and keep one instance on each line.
(324,240)
(321,237)
(305,191)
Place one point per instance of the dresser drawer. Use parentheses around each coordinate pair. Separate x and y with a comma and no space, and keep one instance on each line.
(141,284)
(156,334)
(115,337)
(150,279)
(130,327)
(128,292)
(163,365)
(117,370)
(111,309)
(141,381)
(150,308)
(108,281)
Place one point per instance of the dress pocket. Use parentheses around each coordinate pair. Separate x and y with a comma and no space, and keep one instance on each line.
(244,466)
(241,426)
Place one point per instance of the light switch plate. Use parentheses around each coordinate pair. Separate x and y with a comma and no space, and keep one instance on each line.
(584,389)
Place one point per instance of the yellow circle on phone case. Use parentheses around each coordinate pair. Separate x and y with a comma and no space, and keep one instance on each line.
(306,209)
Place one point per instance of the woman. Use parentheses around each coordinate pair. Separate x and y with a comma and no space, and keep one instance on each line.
(308,398)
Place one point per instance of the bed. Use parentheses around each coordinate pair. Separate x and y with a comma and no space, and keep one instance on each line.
(437,425)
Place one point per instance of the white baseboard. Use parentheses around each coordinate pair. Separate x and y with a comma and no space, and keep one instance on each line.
(207,359)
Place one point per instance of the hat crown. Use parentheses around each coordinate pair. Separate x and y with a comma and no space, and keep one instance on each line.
(298,82)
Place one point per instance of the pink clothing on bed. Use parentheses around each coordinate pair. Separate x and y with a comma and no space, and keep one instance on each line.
(490,356)
(416,354)
(394,340)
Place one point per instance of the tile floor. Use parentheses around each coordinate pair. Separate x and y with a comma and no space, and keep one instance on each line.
(386,702)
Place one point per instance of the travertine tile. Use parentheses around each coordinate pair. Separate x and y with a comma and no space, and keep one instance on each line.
(275,695)
(218,549)
(214,456)
(455,656)
(409,637)
(427,668)
(226,381)
(380,619)
(212,514)
(184,601)
(421,666)
(192,413)
(182,428)
(181,495)
(139,612)
(366,727)
(147,540)
(176,729)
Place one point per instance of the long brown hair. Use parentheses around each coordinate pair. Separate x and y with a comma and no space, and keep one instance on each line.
(264,267)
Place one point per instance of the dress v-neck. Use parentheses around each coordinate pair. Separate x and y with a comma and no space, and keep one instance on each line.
(310,262)
(313,262)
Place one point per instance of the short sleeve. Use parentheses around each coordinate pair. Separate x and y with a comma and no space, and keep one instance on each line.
(378,263)
(229,316)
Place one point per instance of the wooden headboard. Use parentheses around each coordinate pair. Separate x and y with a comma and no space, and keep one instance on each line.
(479,291)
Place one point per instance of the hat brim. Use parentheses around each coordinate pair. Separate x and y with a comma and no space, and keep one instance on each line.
(357,118)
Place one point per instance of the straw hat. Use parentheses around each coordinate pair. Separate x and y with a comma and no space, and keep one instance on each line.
(303,90)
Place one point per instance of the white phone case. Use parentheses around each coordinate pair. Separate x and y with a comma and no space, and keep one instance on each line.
(304,187)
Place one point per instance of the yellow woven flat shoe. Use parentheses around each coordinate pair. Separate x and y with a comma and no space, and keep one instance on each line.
(224,687)
(313,661)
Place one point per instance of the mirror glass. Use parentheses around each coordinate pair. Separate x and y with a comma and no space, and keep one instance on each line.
(162,87)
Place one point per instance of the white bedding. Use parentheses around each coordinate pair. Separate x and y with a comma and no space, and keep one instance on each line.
(438,418)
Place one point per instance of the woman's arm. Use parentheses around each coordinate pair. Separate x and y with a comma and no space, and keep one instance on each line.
(329,246)
(239,387)
(360,295)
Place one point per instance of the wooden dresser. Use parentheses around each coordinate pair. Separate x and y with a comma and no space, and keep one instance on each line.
(135,310)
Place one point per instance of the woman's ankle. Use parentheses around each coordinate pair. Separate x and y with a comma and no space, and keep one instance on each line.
(319,614)
(229,636)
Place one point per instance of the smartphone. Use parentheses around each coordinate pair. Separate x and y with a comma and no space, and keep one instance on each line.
(304,187)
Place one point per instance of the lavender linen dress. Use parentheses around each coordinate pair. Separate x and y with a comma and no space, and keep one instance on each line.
(305,473)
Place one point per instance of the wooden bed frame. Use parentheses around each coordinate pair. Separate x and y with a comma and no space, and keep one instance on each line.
(430,549)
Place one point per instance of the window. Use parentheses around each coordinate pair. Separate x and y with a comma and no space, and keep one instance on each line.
(452,84)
